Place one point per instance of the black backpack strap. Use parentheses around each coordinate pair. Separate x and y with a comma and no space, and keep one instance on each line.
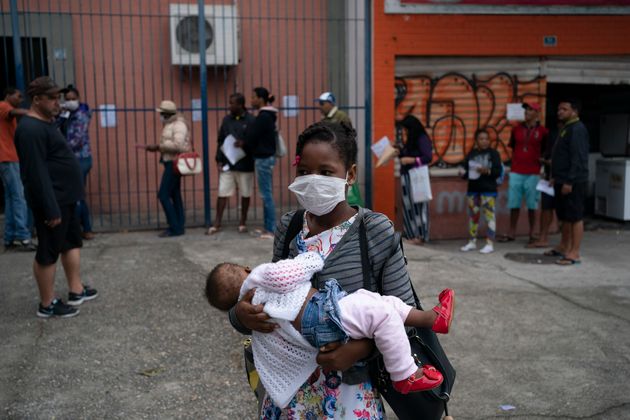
(366,266)
(396,239)
(295,226)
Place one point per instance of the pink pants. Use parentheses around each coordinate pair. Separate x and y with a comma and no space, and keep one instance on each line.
(366,314)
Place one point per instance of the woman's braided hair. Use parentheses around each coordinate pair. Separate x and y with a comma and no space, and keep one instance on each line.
(341,136)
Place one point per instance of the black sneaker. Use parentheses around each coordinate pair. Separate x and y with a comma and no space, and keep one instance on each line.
(75,299)
(24,245)
(57,308)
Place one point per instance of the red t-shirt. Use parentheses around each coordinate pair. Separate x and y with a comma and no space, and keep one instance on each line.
(528,144)
(7,133)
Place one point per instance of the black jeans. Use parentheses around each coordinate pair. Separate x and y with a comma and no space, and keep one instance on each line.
(170,196)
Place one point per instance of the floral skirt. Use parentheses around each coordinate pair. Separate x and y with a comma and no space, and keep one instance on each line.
(324,396)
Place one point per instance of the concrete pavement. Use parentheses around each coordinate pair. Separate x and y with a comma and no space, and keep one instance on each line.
(554,342)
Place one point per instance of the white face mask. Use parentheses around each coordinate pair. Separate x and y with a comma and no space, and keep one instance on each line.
(71,105)
(319,194)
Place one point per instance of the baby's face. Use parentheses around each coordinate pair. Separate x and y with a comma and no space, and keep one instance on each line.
(244,272)
(241,273)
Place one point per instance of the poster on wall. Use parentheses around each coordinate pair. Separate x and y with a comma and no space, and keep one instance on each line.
(108,115)
(508,6)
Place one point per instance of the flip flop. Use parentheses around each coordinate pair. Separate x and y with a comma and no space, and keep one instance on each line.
(212,230)
(506,238)
(242,229)
(553,253)
(568,261)
(536,245)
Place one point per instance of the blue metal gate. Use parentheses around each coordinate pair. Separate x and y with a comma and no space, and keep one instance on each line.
(124,57)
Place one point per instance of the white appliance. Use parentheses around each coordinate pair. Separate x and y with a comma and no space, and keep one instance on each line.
(221,40)
(612,188)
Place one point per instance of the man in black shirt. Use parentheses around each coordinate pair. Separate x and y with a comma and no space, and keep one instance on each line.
(53,184)
(241,173)
(569,171)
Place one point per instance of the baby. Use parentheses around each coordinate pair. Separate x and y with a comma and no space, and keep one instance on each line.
(309,319)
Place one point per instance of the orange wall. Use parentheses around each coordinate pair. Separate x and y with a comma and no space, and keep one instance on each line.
(473,35)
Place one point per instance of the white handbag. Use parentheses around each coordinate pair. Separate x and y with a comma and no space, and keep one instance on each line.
(281,147)
(420,184)
(188,164)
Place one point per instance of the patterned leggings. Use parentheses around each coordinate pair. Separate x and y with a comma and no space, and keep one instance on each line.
(477,202)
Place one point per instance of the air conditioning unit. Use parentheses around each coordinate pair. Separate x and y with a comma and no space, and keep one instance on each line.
(221,38)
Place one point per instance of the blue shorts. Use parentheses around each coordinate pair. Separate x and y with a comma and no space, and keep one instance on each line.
(321,320)
(523,186)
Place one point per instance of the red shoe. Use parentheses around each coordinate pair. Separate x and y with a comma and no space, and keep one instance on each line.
(445,311)
(430,379)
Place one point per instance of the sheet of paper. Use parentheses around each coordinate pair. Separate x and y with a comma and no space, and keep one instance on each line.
(195,104)
(108,115)
(388,154)
(473,173)
(515,112)
(231,152)
(544,186)
(380,146)
(290,104)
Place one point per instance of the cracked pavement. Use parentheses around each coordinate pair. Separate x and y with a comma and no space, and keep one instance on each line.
(552,341)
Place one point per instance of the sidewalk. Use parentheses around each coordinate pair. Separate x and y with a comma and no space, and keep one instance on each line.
(551,341)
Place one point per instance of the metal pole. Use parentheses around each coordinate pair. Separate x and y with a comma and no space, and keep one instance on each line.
(368,101)
(203,79)
(17,47)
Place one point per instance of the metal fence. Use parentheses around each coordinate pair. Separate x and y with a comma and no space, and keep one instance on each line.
(124,57)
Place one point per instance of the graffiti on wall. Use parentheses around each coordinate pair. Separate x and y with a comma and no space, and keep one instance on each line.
(453,106)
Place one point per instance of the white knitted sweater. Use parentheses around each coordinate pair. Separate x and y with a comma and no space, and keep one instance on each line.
(283,358)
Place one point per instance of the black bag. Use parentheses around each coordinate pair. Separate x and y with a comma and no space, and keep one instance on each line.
(425,346)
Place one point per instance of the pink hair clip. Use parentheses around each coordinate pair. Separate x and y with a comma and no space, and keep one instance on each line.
(296,162)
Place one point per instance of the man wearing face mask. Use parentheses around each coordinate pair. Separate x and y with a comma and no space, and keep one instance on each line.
(74,122)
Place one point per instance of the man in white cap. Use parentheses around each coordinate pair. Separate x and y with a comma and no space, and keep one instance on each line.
(175,139)
(330,111)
